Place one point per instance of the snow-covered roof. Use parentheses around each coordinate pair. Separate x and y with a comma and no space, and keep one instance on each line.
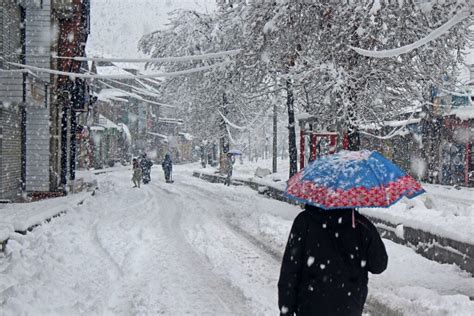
(97,128)
(106,123)
(112,95)
(463,112)
(111,70)
(399,123)
(186,136)
(126,131)
(134,66)
(303,116)
(158,135)
(170,120)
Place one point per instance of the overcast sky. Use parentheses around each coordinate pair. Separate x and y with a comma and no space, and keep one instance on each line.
(117,25)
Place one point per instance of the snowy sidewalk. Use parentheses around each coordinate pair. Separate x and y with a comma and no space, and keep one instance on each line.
(439,223)
(443,210)
(20,217)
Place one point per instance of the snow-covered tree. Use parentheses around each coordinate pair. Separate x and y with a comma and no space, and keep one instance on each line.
(337,84)
(368,90)
(304,48)
(205,99)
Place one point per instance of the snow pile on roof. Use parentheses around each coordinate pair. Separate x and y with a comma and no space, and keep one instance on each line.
(463,112)
(108,124)
(159,135)
(186,136)
(111,71)
(126,132)
(132,66)
(170,120)
(112,95)
(303,116)
(400,123)
(97,128)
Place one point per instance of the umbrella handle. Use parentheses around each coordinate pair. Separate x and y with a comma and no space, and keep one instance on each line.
(353,219)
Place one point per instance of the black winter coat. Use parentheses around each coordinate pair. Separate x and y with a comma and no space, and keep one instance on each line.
(326,263)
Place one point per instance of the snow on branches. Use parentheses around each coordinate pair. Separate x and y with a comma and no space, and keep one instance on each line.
(316,45)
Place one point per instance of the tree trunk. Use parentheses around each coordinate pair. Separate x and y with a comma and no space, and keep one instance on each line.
(354,139)
(292,150)
(223,139)
(431,131)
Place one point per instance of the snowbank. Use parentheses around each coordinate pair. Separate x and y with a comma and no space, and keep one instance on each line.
(22,216)
(443,210)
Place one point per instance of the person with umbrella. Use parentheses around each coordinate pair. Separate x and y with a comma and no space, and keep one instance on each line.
(332,247)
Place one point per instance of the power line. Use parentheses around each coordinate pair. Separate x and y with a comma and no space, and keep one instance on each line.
(27,68)
(157,59)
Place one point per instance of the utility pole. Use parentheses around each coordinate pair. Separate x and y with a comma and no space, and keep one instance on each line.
(275,140)
(291,128)
(250,148)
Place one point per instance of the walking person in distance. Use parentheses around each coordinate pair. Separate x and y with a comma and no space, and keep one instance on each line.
(137,173)
(167,166)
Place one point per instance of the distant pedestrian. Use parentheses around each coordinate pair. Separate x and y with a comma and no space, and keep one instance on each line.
(203,157)
(167,166)
(326,263)
(146,165)
(228,168)
(137,173)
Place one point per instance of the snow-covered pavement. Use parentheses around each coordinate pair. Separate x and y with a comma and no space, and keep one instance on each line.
(189,248)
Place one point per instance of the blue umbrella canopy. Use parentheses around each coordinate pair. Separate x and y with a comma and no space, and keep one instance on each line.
(351,179)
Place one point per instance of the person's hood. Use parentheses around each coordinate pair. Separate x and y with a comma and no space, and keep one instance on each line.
(331,218)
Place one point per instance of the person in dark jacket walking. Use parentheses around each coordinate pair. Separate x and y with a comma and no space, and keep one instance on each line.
(167,166)
(146,165)
(326,263)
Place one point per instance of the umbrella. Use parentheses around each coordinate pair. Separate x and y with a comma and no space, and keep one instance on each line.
(235,152)
(352,179)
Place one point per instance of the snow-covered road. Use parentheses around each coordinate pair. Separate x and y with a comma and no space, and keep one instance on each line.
(188,248)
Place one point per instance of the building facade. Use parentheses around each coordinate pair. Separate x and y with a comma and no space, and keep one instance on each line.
(11,98)
(33,125)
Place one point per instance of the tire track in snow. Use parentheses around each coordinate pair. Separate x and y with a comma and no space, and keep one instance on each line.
(245,264)
(269,250)
(99,244)
(230,297)
(162,271)
(116,272)
(373,306)
(124,296)
(118,217)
